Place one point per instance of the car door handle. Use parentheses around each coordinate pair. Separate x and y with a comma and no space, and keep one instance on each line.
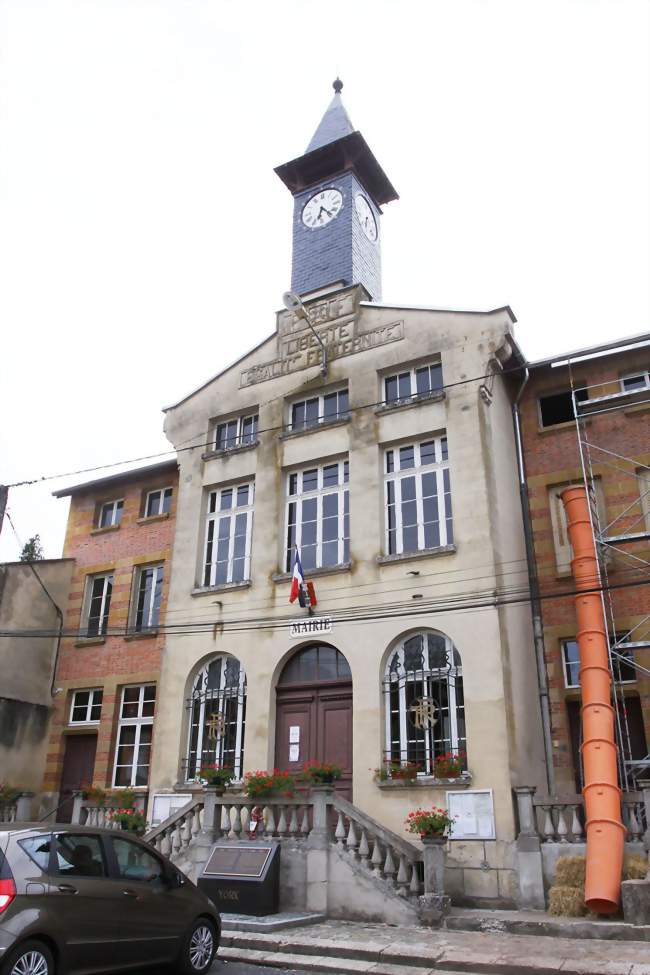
(67,889)
(130,893)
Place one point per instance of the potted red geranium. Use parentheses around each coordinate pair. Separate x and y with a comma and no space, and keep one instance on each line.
(429,823)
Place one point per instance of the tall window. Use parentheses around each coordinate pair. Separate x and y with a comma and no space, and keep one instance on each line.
(110,514)
(418,497)
(158,502)
(424,704)
(228,536)
(318,516)
(236,433)
(320,409)
(148,597)
(561,543)
(97,604)
(86,706)
(133,752)
(420,381)
(217,717)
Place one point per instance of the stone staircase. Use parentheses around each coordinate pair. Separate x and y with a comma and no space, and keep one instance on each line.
(335,859)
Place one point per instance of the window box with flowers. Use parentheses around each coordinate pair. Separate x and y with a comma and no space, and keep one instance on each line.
(429,823)
(264,785)
(216,776)
(320,773)
(448,769)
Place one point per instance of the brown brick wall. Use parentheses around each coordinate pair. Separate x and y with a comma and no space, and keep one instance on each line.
(116,660)
(552,456)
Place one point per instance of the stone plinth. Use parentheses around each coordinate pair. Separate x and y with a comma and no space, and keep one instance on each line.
(635,895)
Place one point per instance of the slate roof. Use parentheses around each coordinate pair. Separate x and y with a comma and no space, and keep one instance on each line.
(334,124)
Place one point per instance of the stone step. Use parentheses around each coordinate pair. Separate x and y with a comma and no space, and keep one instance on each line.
(269,922)
(490,954)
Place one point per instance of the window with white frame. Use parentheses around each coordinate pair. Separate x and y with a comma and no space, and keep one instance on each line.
(623,668)
(322,408)
(158,502)
(637,380)
(238,432)
(418,497)
(86,707)
(217,717)
(423,702)
(110,514)
(97,604)
(228,537)
(414,383)
(561,542)
(318,516)
(134,734)
(148,597)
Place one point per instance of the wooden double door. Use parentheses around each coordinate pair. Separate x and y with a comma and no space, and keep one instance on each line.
(314,722)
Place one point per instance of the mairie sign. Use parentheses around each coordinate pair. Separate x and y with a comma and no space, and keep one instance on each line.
(311,626)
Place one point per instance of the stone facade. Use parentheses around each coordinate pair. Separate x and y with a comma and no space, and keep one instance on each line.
(440,591)
(126,654)
(27,665)
(552,458)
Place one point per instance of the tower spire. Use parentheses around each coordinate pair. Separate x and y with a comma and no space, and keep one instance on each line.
(334,124)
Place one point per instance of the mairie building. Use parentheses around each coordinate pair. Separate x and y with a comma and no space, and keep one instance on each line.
(377,440)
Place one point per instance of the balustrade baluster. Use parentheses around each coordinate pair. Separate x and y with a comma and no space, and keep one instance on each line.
(402,877)
(236,824)
(633,825)
(549,828)
(304,826)
(562,829)
(377,858)
(414,886)
(364,849)
(282,822)
(576,825)
(270,821)
(224,825)
(340,833)
(196,823)
(177,840)
(166,843)
(352,842)
(293,822)
(389,865)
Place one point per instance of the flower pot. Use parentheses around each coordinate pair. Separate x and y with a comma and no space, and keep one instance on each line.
(433,839)
(216,790)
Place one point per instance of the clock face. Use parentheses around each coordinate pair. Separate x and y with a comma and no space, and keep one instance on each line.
(323,207)
(366,216)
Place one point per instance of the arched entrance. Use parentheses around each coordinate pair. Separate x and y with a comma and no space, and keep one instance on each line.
(314,712)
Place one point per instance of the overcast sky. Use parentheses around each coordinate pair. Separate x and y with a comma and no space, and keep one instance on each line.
(145,240)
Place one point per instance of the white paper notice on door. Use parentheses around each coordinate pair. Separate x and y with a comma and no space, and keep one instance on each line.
(294,753)
(294,734)
(473,814)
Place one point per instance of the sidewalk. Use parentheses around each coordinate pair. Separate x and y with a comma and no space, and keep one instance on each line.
(342,947)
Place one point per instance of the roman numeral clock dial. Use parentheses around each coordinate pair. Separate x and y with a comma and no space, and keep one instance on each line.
(322,208)
(366,217)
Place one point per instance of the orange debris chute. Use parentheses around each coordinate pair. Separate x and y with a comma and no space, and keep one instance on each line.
(605,829)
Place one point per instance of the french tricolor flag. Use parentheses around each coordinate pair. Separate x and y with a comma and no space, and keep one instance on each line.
(297,582)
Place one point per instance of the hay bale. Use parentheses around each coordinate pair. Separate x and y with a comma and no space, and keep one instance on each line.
(566,901)
(635,867)
(570,872)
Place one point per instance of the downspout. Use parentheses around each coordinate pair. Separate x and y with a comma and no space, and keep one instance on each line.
(605,829)
(535,604)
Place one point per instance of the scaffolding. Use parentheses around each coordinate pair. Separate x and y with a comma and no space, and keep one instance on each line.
(619,542)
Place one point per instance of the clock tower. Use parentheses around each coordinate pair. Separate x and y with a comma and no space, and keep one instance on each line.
(338,189)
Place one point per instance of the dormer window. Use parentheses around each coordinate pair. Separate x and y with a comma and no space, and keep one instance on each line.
(322,408)
(238,432)
(411,384)
(110,514)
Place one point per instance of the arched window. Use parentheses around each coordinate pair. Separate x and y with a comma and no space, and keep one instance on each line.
(423,697)
(315,664)
(217,717)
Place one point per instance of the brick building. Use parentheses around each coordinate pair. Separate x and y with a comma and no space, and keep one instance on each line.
(611,436)
(120,533)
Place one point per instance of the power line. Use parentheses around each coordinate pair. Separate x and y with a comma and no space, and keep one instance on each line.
(272,429)
(490,599)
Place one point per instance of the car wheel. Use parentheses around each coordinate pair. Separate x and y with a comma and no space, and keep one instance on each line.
(30,958)
(199,947)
